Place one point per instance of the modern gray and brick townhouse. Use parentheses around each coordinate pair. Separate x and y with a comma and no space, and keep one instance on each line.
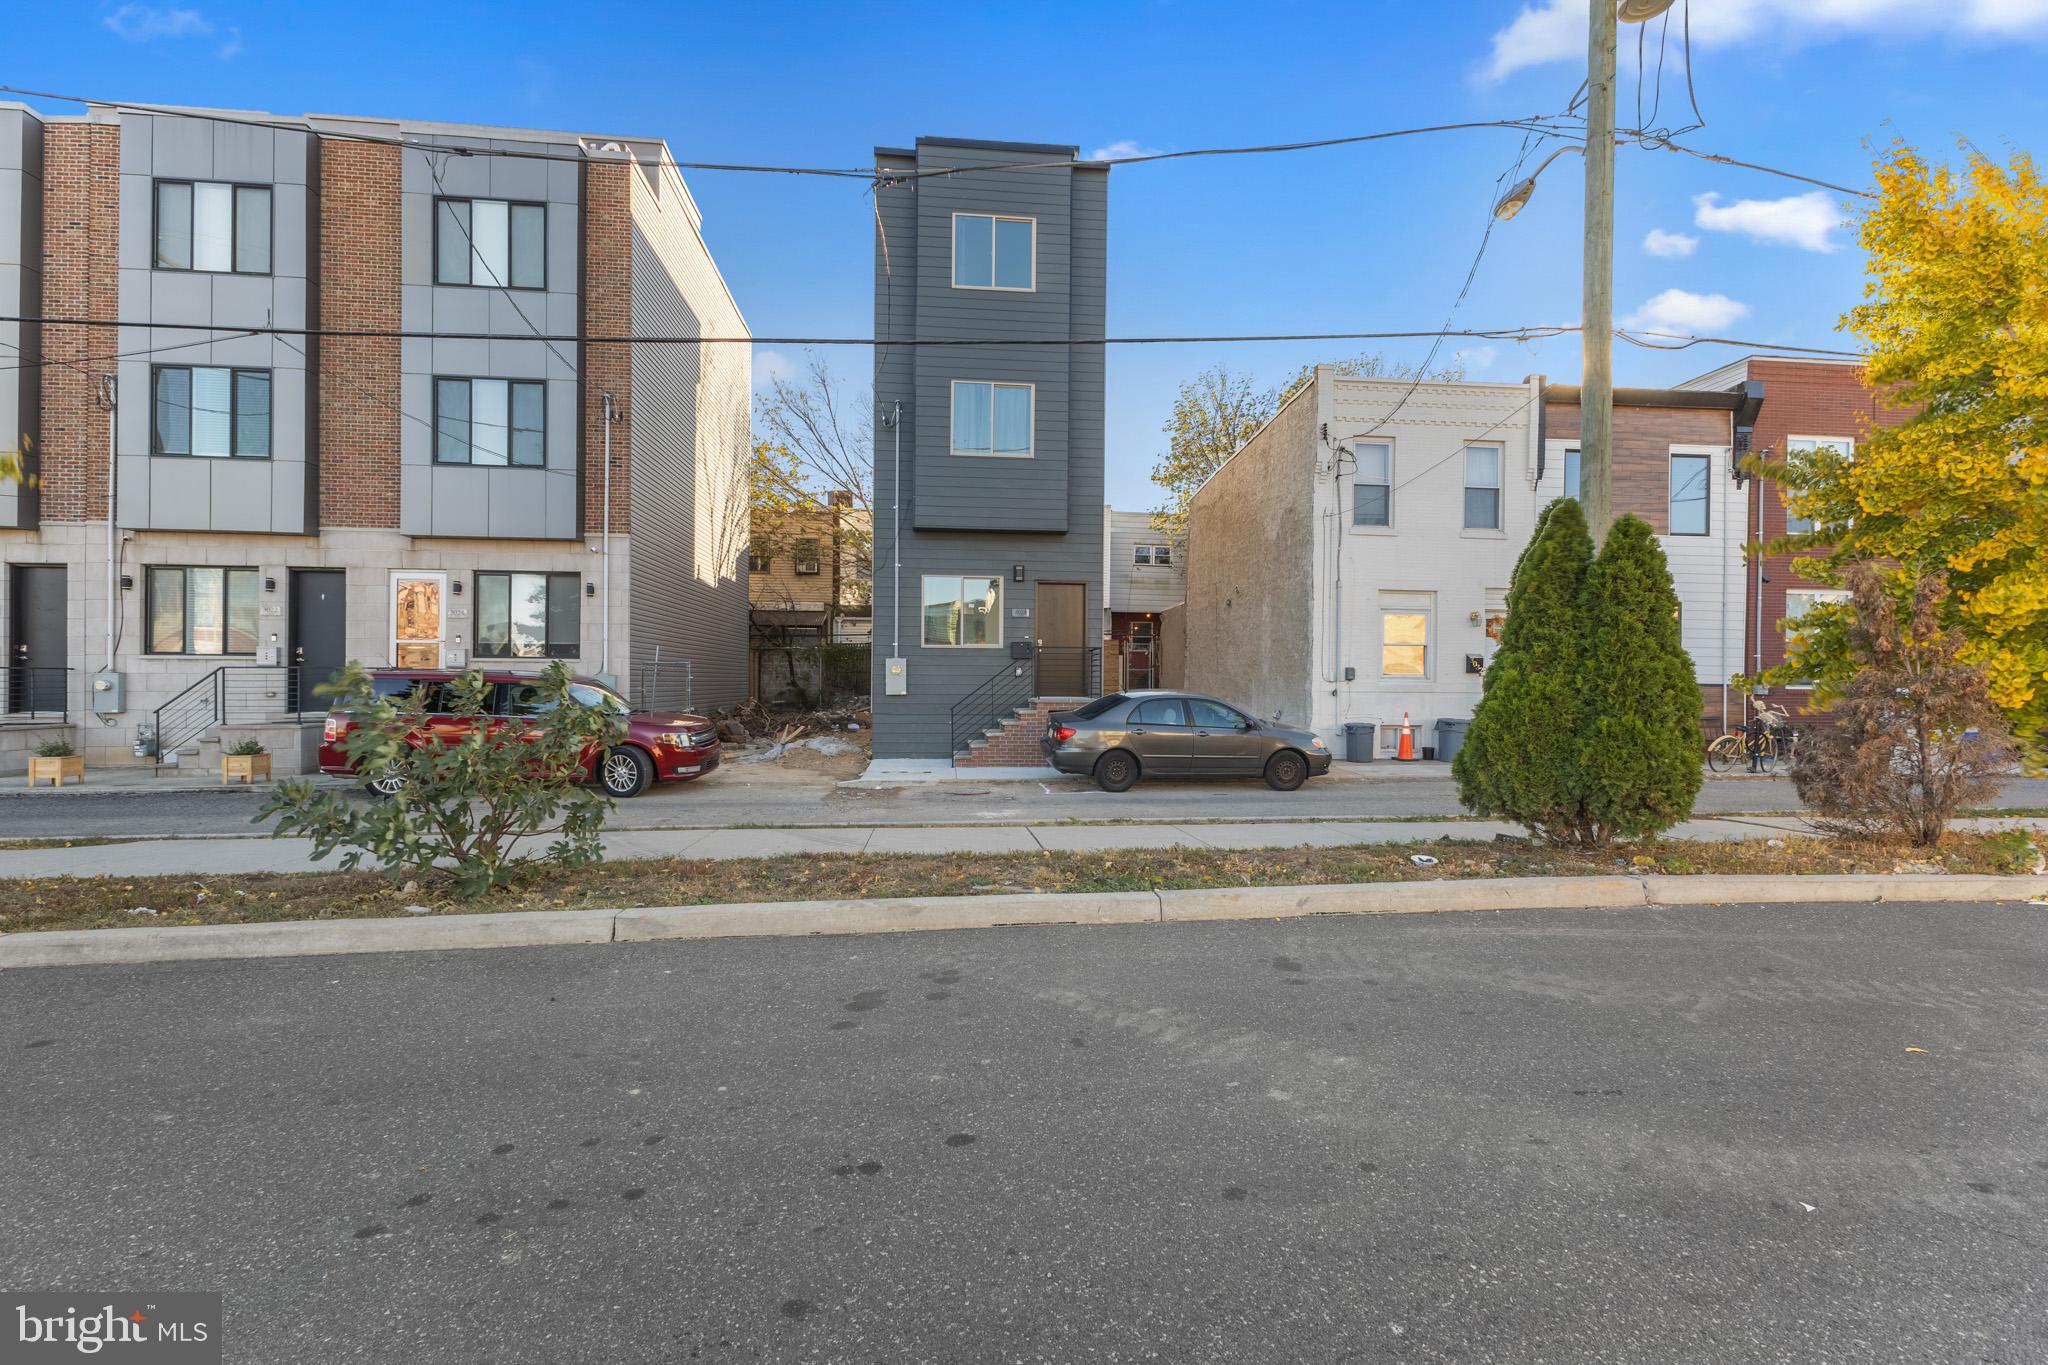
(988,444)
(423,485)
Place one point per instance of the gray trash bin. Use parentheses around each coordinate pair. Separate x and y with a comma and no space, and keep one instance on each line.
(1450,737)
(1358,741)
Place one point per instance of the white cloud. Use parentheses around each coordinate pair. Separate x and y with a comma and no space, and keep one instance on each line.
(1122,147)
(1681,310)
(1662,243)
(1555,30)
(231,46)
(147,23)
(771,365)
(1802,220)
(1477,358)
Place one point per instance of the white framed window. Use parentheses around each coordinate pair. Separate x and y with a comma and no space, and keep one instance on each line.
(806,560)
(1156,556)
(1482,488)
(963,611)
(991,419)
(1404,642)
(1372,484)
(210,226)
(1692,476)
(993,251)
(1574,487)
(1798,602)
(495,243)
(1795,524)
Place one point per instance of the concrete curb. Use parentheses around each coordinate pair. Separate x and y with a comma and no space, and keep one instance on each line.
(541,928)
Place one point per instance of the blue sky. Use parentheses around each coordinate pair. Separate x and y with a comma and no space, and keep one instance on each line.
(1376,237)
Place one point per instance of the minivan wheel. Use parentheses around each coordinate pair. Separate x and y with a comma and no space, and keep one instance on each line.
(391,784)
(1285,772)
(1116,771)
(625,772)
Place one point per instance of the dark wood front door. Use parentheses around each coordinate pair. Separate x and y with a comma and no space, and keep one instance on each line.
(319,633)
(35,639)
(1063,641)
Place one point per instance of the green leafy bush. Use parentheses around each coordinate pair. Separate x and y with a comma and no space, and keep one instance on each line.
(246,748)
(1519,759)
(459,805)
(56,748)
(1639,738)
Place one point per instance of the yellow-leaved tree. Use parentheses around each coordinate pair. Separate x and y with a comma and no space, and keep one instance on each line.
(1955,324)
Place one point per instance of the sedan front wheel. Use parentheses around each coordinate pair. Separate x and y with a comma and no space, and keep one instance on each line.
(1285,772)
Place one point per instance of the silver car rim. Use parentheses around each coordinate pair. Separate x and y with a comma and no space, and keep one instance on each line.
(621,773)
(388,786)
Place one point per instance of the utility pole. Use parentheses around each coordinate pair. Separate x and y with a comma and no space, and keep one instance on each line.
(1596,384)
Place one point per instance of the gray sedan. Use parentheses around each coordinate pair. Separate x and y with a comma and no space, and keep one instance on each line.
(1127,735)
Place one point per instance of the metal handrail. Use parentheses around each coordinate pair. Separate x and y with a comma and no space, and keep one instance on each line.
(1012,688)
(233,694)
(34,694)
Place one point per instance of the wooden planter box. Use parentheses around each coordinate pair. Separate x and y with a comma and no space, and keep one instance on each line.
(56,769)
(247,767)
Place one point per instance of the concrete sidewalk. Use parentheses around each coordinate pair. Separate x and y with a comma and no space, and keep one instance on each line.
(217,856)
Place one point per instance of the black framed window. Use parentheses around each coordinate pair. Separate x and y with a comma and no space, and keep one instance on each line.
(491,422)
(201,610)
(529,615)
(210,225)
(758,557)
(210,412)
(495,243)
(1690,476)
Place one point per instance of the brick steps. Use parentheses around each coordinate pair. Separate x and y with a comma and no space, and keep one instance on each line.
(1015,743)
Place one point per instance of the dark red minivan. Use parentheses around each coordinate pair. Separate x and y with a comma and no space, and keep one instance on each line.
(659,746)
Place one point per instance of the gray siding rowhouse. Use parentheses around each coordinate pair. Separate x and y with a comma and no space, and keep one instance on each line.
(1026,521)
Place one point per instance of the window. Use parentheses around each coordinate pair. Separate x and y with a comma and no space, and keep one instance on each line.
(1689,478)
(206,225)
(529,615)
(963,612)
(490,242)
(490,422)
(1156,555)
(1372,485)
(214,413)
(806,557)
(1159,711)
(201,611)
(991,419)
(1572,487)
(1796,525)
(1482,488)
(1404,644)
(994,253)
(1215,715)
(758,558)
(1798,602)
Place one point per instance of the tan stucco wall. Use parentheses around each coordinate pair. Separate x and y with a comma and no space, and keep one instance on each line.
(1250,549)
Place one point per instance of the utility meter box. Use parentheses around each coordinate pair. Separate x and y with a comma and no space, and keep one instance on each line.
(109,692)
(895,677)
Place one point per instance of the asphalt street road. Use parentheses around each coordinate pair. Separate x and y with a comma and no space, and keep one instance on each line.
(1734,1134)
(723,803)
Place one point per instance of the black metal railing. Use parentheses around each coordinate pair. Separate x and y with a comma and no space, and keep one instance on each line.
(1052,671)
(34,694)
(992,703)
(1069,671)
(234,694)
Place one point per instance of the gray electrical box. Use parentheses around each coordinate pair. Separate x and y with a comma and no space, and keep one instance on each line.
(109,693)
(895,677)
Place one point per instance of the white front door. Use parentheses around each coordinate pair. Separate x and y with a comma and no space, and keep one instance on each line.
(418,618)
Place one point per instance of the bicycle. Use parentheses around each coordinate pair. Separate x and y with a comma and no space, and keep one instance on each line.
(1759,745)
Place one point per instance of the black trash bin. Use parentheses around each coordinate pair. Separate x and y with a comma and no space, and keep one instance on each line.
(1450,737)
(1358,741)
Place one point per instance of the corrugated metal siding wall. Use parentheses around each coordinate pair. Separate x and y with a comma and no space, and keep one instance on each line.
(691,429)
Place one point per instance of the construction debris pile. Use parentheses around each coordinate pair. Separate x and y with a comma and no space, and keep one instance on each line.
(770,733)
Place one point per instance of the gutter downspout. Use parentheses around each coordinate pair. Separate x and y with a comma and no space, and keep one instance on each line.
(113,535)
(896,534)
(604,647)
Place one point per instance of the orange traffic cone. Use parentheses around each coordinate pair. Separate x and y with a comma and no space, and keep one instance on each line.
(1406,753)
